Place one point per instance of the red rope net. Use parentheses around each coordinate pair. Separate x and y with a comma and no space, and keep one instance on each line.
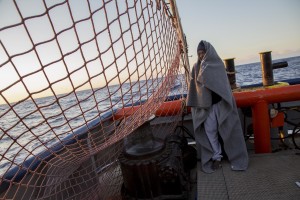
(66,68)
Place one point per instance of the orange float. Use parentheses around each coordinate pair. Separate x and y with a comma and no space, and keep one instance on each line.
(168,108)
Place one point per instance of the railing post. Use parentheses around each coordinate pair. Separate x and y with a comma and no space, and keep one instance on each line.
(261,127)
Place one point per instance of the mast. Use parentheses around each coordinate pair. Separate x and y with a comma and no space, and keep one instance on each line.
(182,38)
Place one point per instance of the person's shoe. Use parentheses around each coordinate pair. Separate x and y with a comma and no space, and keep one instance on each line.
(216,165)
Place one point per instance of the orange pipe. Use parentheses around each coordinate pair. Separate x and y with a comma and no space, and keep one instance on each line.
(271,95)
(261,127)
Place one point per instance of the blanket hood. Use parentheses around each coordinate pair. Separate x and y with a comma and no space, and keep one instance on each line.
(206,76)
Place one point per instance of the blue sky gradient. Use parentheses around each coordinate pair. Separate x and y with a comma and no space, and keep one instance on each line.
(241,29)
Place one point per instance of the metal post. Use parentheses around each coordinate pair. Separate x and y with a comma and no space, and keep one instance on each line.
(266,68)
(230,68)
(261,127)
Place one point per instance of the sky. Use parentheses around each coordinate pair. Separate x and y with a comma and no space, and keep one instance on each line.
(241,29)
(237,29)
(43,64)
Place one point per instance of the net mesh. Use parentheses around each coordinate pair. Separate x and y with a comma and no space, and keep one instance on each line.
(67,70)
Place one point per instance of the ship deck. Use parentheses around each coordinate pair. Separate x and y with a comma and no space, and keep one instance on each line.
(269,176)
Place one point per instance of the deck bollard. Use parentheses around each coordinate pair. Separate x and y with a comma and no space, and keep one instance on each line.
(229,65)
(266,68)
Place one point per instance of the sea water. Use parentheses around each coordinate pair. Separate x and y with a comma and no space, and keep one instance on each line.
(65,115)
(251,73)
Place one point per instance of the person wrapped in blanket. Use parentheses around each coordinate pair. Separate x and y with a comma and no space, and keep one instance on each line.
(214,113)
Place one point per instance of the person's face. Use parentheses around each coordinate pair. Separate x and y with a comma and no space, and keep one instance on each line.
(201,54)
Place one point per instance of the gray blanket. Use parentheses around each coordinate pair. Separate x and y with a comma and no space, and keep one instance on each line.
(207,76)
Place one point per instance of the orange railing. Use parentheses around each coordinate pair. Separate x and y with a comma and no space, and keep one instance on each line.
(258,100)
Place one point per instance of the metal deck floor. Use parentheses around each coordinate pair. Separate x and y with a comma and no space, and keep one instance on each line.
(269,176)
